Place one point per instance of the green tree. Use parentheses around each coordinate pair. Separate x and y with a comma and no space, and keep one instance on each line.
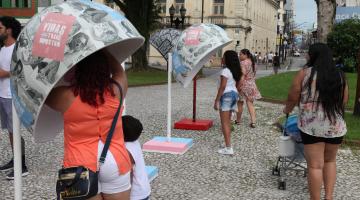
(143,15)
(326,10)
(345,42)
(357,98)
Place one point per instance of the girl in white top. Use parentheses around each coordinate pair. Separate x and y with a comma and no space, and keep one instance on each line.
(140,186)
(227,96)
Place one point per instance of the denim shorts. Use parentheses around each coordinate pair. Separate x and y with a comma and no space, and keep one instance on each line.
(6,114)
(228,101)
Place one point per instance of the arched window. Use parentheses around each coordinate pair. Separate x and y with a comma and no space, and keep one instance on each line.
(218,7)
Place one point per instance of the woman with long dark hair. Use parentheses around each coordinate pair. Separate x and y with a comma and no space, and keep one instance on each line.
(321,91)
(88,106)
(227,96)
(247,87)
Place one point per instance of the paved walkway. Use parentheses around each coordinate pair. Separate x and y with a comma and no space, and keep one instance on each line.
(201,173)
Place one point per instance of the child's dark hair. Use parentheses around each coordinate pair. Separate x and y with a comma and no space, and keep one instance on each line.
(132,128)
(233,64)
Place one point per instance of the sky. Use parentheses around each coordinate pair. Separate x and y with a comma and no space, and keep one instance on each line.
(305,11)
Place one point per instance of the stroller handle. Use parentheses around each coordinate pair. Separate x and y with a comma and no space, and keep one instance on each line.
(285,125)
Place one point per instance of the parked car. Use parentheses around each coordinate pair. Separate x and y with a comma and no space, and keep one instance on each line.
(297,54)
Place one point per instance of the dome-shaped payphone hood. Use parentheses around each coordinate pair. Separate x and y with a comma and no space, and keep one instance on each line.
(51,44)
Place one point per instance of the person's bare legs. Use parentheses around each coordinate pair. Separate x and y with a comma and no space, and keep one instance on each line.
(225,117)
(329,172)
(12,143)
(240,105)
(97,197)
(314,155)
(118,196)
(276,69)
(250,106)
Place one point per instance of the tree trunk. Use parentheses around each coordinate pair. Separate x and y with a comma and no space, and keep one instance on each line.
(325,18)
(143,15)
(139,59)
(357,98)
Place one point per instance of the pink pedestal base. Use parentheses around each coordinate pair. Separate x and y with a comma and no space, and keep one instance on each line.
(174,146)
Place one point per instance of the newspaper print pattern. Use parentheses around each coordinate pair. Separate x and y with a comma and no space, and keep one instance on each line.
(165,40)
(96,26)
(189,58)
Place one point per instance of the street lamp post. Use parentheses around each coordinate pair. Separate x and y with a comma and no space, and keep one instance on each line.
(237,46)
(280,45)
(177,21)
(196,76)
(284,46)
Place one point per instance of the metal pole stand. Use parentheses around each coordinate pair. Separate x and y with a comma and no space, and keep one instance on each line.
(194,124)
(17,155)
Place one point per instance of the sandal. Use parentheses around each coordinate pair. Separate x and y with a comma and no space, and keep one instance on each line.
(236,122)
(252,125)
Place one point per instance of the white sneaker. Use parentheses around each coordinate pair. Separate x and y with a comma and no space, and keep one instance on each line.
(226,151)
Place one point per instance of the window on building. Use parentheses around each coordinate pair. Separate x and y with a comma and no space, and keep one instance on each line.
(15,3)
(22,4)
(178,5)
(5,4)
(46,3)
(218,7)
(162,6)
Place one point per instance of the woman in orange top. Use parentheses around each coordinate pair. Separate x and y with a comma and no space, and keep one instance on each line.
(88,106)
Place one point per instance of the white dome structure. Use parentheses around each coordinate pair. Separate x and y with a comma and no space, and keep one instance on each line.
(51,44)
(194,48)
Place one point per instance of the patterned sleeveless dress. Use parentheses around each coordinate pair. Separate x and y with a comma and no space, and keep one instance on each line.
(312,121)
(248,88)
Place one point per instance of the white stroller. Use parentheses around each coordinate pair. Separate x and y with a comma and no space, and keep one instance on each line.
(291,152)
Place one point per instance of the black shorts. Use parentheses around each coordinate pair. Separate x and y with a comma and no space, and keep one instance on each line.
(309,139)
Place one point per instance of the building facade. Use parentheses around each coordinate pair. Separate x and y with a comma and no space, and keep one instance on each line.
(290,26)
(252,24)
(289,15)
(23,10)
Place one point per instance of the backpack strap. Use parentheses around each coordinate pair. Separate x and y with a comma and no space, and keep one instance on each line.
(112,128)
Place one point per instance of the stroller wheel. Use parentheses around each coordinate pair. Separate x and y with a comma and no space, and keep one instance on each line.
(275,171)
(282,185)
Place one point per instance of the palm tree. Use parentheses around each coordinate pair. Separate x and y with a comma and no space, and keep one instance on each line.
(143,15)
(326,10)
